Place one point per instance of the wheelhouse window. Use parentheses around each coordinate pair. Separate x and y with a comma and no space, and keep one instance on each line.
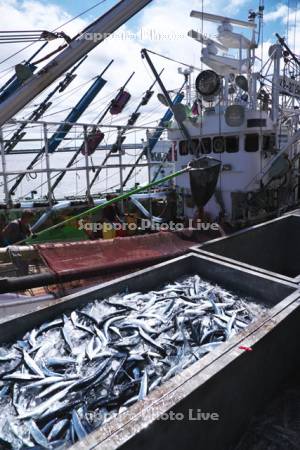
(218,144)
(268,143)
(251,142)
(183,148)
(195,145)
(232,144)
(206,145)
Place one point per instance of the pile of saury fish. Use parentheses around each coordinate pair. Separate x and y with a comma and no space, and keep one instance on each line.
(73,374)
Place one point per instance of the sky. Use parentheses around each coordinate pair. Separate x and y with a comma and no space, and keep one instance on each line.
(162,26)
(237,8)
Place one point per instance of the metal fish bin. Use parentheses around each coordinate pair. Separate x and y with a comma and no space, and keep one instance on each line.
(271,248)
(208,404)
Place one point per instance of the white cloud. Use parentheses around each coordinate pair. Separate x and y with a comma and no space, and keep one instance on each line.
(234,6)
(288,20)
(280,13)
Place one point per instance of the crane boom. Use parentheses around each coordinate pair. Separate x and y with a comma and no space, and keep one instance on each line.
(95,33)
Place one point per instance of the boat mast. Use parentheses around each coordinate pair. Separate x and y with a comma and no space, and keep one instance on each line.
(276,54)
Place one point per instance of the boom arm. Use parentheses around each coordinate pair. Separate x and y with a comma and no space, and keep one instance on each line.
(89,39)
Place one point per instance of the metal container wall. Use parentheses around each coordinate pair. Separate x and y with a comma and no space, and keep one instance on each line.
(263,289)
(228,381)
(272,248)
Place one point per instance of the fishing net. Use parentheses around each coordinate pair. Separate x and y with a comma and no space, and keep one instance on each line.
(106,255)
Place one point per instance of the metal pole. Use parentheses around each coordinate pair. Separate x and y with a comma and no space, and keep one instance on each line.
(80,46)
(149,175)
(49,194)
(103,125)
(42,108)
(275,83)
(157,133)
(166,94)
(112,101)
(3,159)
(76,169)
(286,47)
(143,102)
(86,155)
(121,179)
(109,154)
(67,125)
(26,63)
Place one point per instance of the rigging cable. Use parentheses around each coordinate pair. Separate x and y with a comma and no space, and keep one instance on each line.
(173,60)
(295,25)
(55,29)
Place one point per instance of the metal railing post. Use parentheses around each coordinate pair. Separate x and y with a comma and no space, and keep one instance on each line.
(3,159)
(48,171)
(86,156)
(121,178)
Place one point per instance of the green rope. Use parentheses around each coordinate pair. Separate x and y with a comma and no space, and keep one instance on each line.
(109,202)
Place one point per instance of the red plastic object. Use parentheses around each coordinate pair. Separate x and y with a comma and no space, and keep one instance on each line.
(112,254)
(93,140)
(247,349)
(121,233)
(195,109)
(120,102)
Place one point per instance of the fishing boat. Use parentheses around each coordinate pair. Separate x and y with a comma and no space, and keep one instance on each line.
(237,116)
(244,113)
(154,338)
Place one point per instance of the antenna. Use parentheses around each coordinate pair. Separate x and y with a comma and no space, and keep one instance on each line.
(222,19)
(187,73)
(199,37)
